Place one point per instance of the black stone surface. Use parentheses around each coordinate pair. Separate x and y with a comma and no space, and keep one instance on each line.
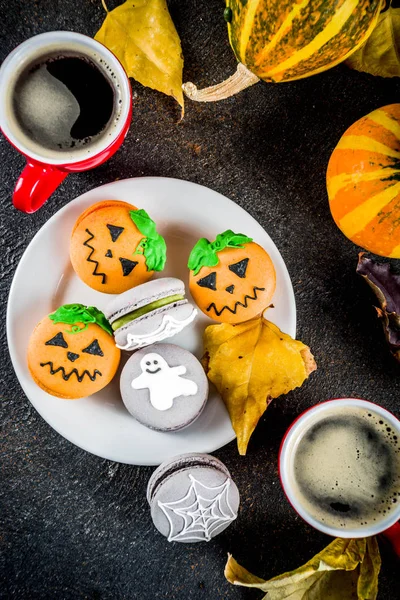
(76,526)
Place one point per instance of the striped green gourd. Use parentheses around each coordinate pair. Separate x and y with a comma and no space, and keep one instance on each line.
(284,40)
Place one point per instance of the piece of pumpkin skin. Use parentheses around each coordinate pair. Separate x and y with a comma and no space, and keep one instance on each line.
(285,41)
(363,182)
(385,284)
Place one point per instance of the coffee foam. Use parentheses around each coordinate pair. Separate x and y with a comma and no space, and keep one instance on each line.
(61,47)
(49,109)
(346,469)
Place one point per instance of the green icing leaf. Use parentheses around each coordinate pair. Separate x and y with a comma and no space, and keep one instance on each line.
(153,245)
(205,253)
(155,253)
(238,239)
(77,315)
(202,254)
(101,319)
(143,222)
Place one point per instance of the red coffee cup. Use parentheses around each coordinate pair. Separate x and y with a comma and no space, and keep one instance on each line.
(49,162)
(386,522)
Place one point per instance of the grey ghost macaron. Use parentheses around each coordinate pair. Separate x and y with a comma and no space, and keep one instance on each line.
(149,313)
(164,387)
(192,498)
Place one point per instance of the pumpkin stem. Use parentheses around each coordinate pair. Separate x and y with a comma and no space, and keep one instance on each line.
(242,79)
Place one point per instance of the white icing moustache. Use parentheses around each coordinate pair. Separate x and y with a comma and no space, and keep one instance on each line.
(169,326)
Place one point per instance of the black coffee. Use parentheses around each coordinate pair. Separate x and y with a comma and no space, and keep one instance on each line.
(63,103)
(347,469)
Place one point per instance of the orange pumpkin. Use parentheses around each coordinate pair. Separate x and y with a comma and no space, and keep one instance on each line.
(72,353)
(231,279)
(114,247)
(363,182)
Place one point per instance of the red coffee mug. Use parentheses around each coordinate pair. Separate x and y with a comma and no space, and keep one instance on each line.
(47,168)
(389,526)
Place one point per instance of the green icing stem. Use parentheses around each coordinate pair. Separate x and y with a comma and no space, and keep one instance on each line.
(205,253)
(143,310)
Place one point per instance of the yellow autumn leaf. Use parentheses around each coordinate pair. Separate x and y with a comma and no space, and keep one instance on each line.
(380,55)
(143,37)
(250,364)
(345,570)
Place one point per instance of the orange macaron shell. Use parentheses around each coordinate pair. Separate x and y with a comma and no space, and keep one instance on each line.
(238,288)
(103,245)
(71,365)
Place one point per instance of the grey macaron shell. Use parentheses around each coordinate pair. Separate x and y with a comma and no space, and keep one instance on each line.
(178,462)
(143,294)
(192,498)
(156,324)
(181,373)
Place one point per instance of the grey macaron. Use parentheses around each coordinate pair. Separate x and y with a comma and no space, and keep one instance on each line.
(164,387)
(192,498)
(149,313)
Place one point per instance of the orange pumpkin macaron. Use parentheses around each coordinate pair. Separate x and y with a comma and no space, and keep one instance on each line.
(72,353)
(232,279)
(115,246)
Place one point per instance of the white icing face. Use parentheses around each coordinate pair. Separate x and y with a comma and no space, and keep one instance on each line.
(153,363)
(163,382)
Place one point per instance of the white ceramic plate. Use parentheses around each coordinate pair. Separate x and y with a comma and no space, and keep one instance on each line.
(44,280)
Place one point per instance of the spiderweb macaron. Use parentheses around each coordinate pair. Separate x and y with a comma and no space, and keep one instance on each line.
(192,498)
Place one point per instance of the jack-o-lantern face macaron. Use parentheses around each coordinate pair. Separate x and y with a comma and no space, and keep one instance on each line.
(232,279)
(114,247)
(71,352)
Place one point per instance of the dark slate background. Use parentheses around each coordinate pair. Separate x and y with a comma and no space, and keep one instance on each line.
(76,526)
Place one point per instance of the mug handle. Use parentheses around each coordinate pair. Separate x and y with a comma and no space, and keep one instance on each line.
(392,535)
(35,184)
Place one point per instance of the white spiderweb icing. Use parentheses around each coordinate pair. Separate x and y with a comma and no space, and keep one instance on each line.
(169,326)
(204,510)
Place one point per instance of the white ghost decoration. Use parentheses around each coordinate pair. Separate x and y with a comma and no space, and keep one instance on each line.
(163,382)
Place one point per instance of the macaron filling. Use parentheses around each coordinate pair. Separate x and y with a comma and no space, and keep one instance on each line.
(143,310)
